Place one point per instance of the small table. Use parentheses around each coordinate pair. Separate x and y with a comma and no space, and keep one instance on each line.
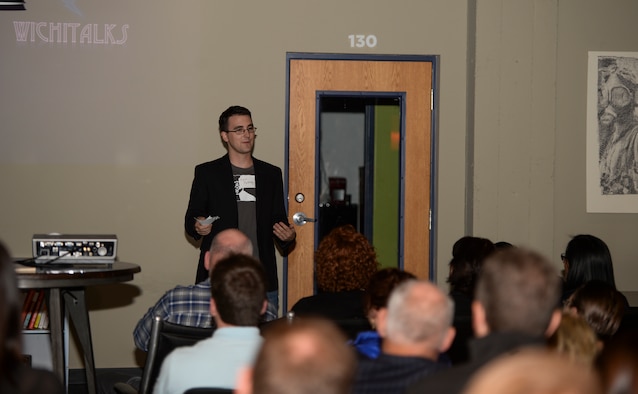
(65,286)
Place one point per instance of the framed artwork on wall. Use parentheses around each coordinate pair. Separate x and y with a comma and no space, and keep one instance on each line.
(612,132)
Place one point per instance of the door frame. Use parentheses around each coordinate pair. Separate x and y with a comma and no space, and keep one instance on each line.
(434,60)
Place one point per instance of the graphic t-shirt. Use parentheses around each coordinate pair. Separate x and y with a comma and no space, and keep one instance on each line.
(246,197)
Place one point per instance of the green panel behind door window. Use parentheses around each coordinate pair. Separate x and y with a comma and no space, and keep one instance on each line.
(385,231)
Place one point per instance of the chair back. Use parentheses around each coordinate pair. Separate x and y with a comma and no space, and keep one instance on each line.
(353,326)
(349,326)
(165,337)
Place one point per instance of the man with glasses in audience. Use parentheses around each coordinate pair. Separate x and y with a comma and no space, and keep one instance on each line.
(239,191)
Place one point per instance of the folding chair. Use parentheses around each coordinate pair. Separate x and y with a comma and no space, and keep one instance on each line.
(165,337)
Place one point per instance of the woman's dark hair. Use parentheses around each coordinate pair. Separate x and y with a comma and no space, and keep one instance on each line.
(588,258)
(468,254)
(602,306)
(10,330)
(381,285)
(500,245)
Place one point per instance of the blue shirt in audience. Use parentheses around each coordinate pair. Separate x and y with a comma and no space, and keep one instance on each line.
(212,362)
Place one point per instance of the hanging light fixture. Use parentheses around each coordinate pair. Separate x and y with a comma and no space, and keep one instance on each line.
(16,5)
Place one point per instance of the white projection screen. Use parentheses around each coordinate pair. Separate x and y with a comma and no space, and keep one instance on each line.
(98,82)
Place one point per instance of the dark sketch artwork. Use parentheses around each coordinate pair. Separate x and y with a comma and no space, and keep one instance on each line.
(618,124)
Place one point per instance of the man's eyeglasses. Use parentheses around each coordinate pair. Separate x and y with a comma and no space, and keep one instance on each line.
(562,256)
(242,131)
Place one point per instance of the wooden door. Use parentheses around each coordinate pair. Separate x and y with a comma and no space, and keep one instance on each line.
(411,79)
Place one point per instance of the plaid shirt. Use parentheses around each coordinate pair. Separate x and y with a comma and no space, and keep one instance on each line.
(185,305)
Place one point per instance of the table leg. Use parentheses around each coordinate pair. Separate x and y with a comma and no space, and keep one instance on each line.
(56,326)
(75,304)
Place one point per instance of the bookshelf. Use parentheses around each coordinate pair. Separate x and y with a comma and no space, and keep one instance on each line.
(34,311)
(36,336)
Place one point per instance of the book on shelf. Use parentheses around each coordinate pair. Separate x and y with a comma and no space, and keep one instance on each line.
(41,319)
(44,321)
(36,324)
(30,306)
(36,310)
(25,304)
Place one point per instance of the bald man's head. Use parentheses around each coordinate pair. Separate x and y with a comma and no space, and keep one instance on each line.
(225,244)
(419,312)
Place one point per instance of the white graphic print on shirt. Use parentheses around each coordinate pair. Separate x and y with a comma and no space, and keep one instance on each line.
(245,188)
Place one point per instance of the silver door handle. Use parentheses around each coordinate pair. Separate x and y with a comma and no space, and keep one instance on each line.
(300,219)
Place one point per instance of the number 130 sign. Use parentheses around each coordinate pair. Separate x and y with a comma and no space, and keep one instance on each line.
(362,41)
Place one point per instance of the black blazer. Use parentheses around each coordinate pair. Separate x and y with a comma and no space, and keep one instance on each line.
(213,193)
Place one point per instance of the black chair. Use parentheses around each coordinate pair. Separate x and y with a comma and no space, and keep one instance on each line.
(165,337)
(353,326)
(630,320)
(208,390)
(350,327)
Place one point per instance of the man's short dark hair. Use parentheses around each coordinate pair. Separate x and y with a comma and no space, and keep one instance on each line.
(519,290)
(231,111)
(238,287)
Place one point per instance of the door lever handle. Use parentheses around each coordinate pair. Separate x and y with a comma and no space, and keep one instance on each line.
(300,219)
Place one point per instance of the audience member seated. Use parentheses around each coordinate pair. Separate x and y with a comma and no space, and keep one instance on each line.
(344,263)
(617,364)
(575,339)
(416,328)
(376,296)
(190,305)
(534,371)
(16,377)
(514,307)
(602,306)
(586,258)
(468,254)
(238,290)
(303,356)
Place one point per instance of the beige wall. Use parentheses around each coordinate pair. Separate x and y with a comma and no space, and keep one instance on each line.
(515,117)
(104,138)
(604,27)
(530,105)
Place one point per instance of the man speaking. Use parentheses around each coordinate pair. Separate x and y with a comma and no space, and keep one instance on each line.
(240,191)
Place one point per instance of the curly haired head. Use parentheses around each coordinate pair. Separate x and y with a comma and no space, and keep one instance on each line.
(345,260)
